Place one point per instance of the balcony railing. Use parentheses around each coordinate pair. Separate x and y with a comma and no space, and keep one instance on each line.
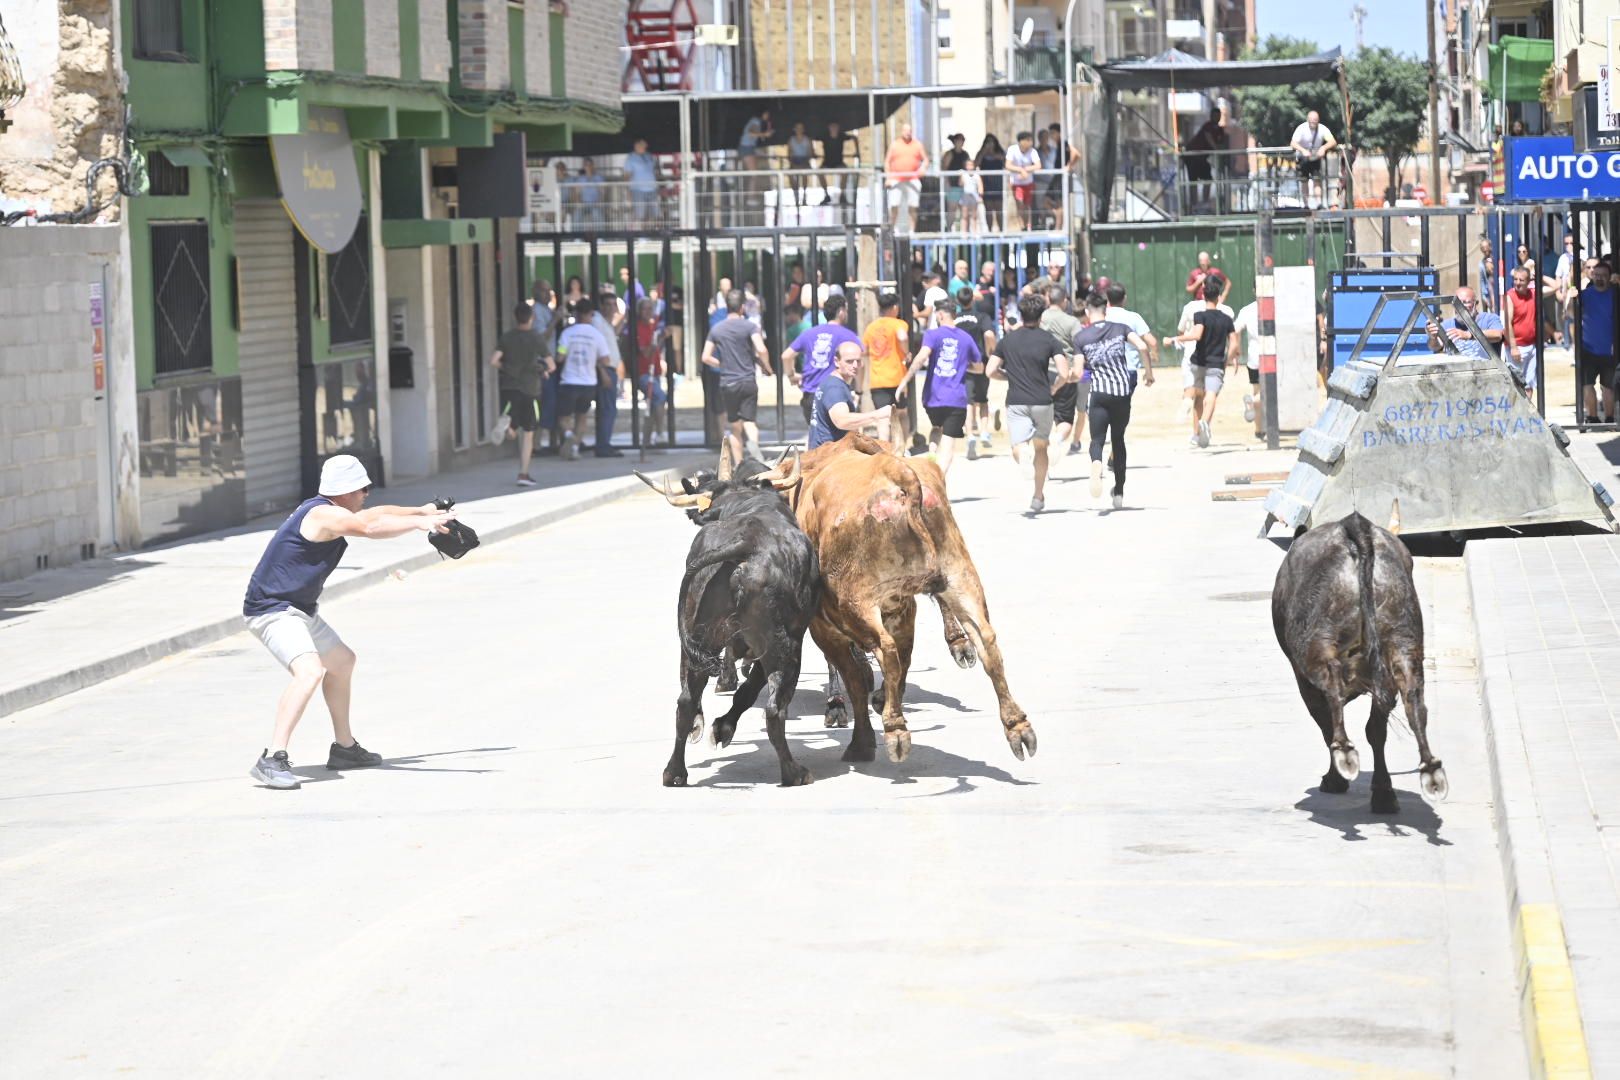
(1158,183)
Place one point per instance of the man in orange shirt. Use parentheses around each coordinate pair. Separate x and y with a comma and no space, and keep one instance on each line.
(888,345)
(903,169)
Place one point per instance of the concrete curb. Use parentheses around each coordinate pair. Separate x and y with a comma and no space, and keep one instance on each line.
(121,663)
(1554,1040)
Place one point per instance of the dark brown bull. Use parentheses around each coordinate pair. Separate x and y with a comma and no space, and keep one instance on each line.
(1347,617)
(884,534)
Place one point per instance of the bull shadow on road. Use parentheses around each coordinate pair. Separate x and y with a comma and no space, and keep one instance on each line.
(759,767)
(1348,813)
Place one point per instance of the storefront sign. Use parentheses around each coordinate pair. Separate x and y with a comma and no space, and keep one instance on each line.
(320,186)
(1552,170)
(1591,114)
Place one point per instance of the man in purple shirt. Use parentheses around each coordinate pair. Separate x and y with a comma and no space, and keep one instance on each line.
(949,354)
(816,346)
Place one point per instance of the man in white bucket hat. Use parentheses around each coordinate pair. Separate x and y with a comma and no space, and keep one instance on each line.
(281,601)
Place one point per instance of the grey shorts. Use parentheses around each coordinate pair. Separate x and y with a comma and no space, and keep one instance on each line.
(1026,422)
(290,633)
(1211,378)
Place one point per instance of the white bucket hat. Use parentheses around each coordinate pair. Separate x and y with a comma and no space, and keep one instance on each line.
(342,474)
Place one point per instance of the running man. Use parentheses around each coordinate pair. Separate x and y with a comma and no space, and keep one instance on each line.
(1024,358)
(518,357)
(835,415)
(1130,320)
(813,351)
(1101,348)
(735,347)
(1247,325)
(282,609)
(1071,399)
(888,343)
(1188,390)
(979,325)
(949,354)
(1214,346)
(585,355)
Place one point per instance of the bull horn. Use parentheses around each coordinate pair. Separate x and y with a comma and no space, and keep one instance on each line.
(723,473)
(777,464)
(1395,517)
(674,499)
(792,478)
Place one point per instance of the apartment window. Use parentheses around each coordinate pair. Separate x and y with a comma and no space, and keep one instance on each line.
(159,34)
(164,177)
(944,23)
(182,309)
(348,289)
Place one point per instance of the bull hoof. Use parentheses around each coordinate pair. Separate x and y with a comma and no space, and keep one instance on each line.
(860,751)
(1333,783)
(674,777)
(1384,801)
(1347,762)
(963,653)
(899,744)
(1022,740)
(1434,782)
(722,731)
(696,734)
(837,712)
(795,775)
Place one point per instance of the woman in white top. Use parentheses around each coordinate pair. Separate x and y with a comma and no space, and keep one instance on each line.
(972,196)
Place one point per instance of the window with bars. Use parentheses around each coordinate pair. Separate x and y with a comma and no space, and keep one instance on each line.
(348,289)
(159,30)
(164,177)
(182,307)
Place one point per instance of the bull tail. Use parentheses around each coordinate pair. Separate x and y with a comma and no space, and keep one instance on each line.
(906,477)
(1359,531)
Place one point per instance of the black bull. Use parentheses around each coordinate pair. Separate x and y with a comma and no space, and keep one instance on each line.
(1347,616)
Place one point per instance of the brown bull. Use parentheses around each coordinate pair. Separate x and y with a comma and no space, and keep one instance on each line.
(884,534)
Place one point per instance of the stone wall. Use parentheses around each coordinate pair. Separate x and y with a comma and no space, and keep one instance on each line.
(382,38)
(72,114)
(435,39)
(298,35)
(56,490)
(537,47)
(593,33)
(484,57)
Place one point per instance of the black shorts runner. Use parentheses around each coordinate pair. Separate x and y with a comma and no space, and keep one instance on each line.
(1254,376)
(523,409)
(952,419)
(807,405)
(741,401)
(1063,403)
(575,400)
(882,396)
(978,387)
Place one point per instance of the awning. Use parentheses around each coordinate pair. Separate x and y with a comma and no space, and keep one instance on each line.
(1182,71)
(718,118)
(1517,65)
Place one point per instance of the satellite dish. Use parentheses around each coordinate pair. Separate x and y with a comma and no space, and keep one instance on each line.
(1026,31)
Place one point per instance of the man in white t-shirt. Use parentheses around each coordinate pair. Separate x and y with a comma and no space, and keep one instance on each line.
(1248,328)
(1311,143)
(1118,312)
(1023,162)
(933,295)
(586,363)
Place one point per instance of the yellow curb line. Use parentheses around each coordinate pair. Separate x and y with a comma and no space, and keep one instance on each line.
(1552,1017)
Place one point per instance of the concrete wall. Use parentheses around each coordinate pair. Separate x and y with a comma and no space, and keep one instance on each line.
(67,452)
(435,42)
(483,61)
(298,35)
(382,38)
(592,34)
(537,47)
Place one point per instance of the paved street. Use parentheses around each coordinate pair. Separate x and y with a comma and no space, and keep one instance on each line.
(1161,891)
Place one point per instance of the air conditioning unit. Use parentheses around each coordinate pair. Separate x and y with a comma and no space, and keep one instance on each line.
(714,34)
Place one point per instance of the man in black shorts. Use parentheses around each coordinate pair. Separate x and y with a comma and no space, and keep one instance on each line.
(1071,400)
(981,328)
(1596,367)
(735,348)
(1215,346)
(517,358)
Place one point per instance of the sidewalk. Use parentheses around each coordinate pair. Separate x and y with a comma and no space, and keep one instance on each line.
(1547,616)
(63,630)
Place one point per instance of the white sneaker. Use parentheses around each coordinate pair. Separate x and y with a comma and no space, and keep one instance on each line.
(1192,441)
(1248,407)
(973,450)
(1184,410)
(497,434)
(1096,479)
(1119,502)
(1203,433)
(1037,504)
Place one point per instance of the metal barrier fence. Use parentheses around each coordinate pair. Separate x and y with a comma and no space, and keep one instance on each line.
(1162,184)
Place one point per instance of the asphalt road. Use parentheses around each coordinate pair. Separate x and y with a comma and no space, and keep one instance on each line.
(1161,891)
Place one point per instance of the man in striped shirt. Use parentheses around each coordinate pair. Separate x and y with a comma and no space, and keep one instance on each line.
(1101,347)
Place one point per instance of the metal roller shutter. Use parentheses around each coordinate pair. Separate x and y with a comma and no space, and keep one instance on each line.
(268,350)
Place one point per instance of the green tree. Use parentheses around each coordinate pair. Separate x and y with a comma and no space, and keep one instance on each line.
(1271,113)
(1389,94)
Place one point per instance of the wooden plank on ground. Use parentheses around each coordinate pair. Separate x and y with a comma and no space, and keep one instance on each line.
(1248,494)
(1257,478)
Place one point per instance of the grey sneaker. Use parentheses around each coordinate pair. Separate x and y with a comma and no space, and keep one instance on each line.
(973,449)
(1119,502)
(351,757)
(498,433)
(1203,433)
(1037,504)
(275,771)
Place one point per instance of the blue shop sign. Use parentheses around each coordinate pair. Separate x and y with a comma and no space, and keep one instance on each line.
(1550,170)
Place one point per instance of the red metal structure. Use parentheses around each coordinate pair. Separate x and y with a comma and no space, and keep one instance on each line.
(658,34)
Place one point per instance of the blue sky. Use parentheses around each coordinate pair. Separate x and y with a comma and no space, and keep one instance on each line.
(1395,23)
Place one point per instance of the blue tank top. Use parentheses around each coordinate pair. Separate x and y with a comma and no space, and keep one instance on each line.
(292,571)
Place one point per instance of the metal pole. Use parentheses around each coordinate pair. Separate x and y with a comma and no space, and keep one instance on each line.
(1579,344)
(1266,297)
(1535,285)
(777,317)
(1434,116)
(669,339)
(1388,241)
(633,317)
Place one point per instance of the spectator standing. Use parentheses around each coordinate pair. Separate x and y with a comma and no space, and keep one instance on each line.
(1311,143)
(1024,358)
(1206,269)
(991,161)
(821,293)
(582,350)
(1596,359)
(809,359)
(734,349)
(793,293)
(610,371)
(519,361)
(1202,149)
(1100,346)
(903,169)
(972,197)
(951,164)
(629,289)
(755,134)
(834,414)
(977,319)
(1214,346)
(1486,277)
(840,188)
(949,354)
(799,149)
(641,170)
(1519,327)
(589,196)
(1023,163)
(959,278)
(547,324)
(933,295)
(1564,291)
(888,344)
(650,366)
(794,322)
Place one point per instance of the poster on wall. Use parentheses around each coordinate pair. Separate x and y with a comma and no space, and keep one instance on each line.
(320,185)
